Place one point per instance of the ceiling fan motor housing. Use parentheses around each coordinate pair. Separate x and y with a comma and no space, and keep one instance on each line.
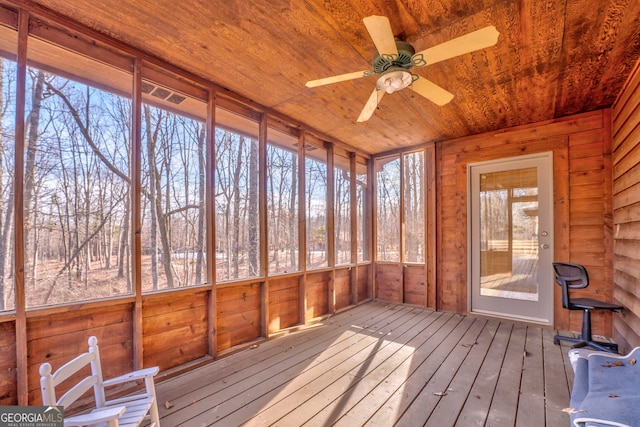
(383,63)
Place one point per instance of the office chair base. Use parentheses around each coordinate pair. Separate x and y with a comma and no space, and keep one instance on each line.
(579,342)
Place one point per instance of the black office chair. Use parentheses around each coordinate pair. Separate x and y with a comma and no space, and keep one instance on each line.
(574,276)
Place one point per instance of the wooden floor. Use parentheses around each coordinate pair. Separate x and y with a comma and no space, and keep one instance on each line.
(382,365)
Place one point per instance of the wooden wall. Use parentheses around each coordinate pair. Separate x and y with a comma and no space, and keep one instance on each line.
(57,336)
(8,363)
(363,283)
(174,328)
(317,293)
(175,324)
(582,204)
(626,210)
(342,288)
(238,314)
(401,283)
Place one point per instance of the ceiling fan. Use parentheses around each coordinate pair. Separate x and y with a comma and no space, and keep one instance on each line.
(394,59)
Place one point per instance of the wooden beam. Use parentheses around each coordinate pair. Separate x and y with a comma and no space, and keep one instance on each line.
(370,204)
(354,226)
(136,216)
(302,227)
(20,297)
(210,162)
(264,238)
(402,230)
(431,229)
(331,232)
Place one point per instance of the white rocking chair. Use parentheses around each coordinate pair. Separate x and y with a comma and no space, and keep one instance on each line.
(128,411)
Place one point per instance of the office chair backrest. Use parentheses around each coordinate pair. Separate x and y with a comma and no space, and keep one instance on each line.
(570,276)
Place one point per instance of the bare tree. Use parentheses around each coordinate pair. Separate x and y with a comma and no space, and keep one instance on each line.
(252,216)
(6,182)
(282,180)
(201,205)
(30,184)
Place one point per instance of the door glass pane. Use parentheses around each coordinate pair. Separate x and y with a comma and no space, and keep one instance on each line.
(509,234)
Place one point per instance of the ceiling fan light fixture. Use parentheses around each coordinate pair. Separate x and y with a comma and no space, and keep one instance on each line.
(394,80)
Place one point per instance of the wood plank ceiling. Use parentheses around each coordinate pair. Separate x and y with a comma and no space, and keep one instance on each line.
(553,57)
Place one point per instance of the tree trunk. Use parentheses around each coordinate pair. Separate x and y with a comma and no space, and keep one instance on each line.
(253,211)
(6,206)
(30,213)
(202,179)
(124,242)
(235,217)
(151,152)
(158,218)
(293,259)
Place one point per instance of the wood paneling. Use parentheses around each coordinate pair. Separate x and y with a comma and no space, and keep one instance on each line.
(582,199)
(317,294)
(415,285)
(59,337)
(284,302)
(389,282)
(626,214)
(174,328)
(553,58)
(342,287)
(8,378)
(364,282)
(238,315)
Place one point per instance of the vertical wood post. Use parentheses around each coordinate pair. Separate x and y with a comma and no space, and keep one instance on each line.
(302,228)
(264,242)
(331,233)
(430,228)
(353,208)
(20,297)
(136,221)
(371,235)
(210,210)
(403,241)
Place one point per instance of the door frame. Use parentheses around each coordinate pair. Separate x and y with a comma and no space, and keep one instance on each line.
(546,161)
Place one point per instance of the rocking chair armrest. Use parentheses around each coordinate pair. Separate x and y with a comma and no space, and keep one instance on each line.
(103,415)
(140,374)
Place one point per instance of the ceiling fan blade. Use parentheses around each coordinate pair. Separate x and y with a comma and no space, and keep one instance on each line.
(476,40)
(371,105)
(431,91)
(339,78)
(380,31)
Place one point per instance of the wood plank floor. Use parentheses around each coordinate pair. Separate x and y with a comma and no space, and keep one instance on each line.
(382,365)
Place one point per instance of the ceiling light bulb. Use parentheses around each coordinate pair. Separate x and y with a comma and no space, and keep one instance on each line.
(394,81)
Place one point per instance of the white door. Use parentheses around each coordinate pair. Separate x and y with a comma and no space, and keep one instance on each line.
(511,237)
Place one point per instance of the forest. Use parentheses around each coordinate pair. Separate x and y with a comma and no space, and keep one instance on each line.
(93,184)
(78,188)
